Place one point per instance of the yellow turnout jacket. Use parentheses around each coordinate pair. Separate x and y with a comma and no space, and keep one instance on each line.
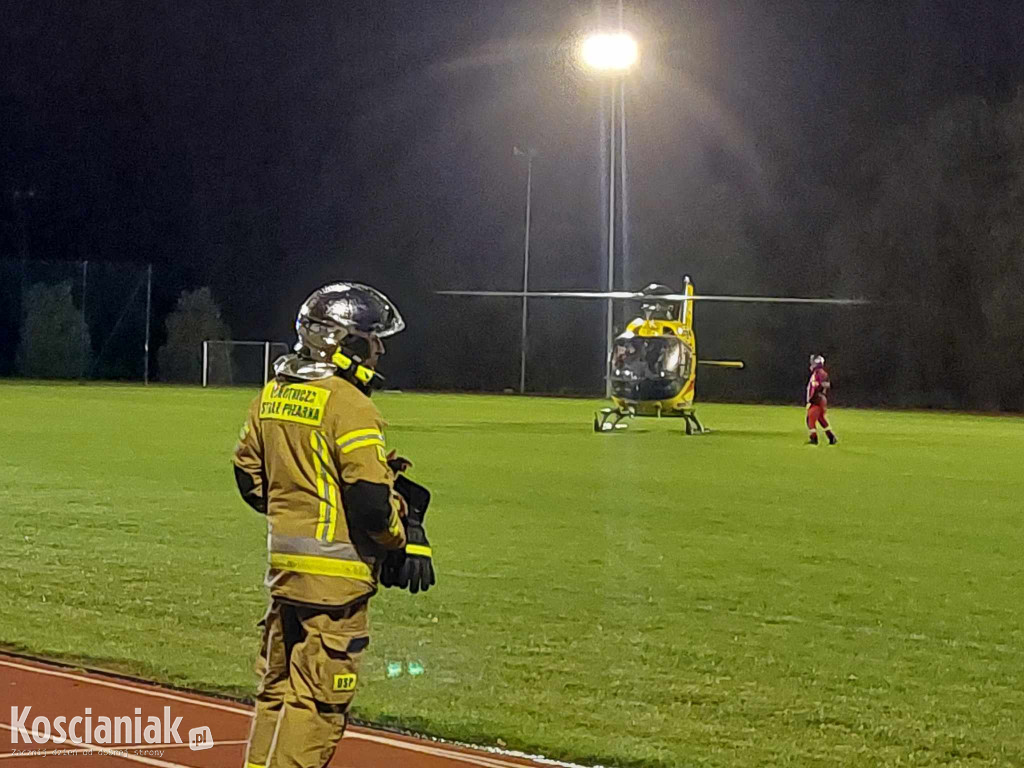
(311,454)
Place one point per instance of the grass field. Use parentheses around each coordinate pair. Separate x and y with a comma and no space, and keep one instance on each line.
(735,599)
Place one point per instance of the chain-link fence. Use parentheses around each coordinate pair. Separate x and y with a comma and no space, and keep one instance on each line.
(67,319)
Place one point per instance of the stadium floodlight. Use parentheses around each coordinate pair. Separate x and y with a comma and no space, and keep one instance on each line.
(610,52)
(239,363)
(613,55)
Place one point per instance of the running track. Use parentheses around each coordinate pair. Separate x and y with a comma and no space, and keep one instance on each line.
(52,690)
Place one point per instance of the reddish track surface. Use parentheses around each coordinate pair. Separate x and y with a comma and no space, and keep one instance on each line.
(53,691)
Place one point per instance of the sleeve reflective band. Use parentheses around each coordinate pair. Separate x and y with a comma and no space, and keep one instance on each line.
(417,549)
(360,438)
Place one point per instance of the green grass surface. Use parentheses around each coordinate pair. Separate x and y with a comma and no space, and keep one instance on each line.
(735,599)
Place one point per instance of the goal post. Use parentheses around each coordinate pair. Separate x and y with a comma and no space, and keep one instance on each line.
(239,363)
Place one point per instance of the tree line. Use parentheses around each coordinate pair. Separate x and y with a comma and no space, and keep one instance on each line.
(55,340)
(928,225)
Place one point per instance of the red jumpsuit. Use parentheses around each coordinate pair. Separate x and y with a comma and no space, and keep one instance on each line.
(816,400)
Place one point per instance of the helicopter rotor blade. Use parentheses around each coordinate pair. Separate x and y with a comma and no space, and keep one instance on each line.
(635,296)
(547,294)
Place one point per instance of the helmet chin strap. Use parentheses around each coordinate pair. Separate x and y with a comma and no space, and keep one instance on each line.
(368,377)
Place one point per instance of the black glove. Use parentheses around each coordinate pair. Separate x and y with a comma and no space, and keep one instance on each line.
(417,569)
(413,567)
(417,498)
(391,566)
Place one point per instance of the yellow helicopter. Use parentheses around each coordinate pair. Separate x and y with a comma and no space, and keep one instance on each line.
(653,369)
(653,364)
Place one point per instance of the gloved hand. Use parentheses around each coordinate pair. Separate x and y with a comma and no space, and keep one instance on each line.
(417,569)
(413,567)
(392,565)
(398,463)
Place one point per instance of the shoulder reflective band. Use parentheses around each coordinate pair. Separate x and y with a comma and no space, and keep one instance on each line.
(360,438)
(417,549)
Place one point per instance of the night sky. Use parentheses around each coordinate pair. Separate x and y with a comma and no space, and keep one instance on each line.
(262,148)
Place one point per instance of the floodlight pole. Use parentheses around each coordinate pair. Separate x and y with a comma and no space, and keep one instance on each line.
(610,281)
(614,56)
(623,196)
(526,263)
(149,304)
(85,326)
(19,196)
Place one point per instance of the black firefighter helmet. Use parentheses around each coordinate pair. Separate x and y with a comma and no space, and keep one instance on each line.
(341,324)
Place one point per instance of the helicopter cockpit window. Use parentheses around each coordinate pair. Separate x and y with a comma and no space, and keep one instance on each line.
(642,357)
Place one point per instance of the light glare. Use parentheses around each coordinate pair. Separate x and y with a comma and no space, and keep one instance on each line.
(609,52)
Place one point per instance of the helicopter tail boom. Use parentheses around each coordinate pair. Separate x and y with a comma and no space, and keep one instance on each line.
(722,363)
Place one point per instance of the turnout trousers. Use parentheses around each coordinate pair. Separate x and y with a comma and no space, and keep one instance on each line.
(816,414)
(308,670)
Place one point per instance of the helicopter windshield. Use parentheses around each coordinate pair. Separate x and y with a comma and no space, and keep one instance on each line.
(639,358)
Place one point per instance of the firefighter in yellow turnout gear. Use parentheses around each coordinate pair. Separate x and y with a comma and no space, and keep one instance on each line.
(311,457)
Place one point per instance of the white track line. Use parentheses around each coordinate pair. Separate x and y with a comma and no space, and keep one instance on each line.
(111,752)
(142,690)
(447,754)
(232,743)
(130,747)
(451,754)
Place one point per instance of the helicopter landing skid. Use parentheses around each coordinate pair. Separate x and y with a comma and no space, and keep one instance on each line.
(611,419)
(693,425)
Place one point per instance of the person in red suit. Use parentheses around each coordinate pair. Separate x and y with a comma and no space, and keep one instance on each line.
(817,403)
